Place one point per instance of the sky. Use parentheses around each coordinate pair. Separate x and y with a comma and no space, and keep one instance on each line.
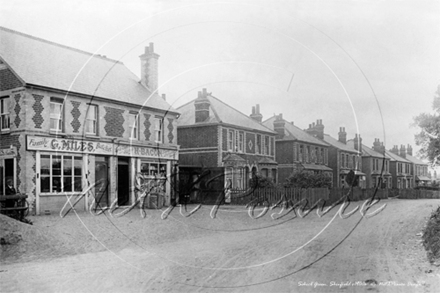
(369,66)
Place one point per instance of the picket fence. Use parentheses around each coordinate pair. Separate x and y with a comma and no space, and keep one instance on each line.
(271,196)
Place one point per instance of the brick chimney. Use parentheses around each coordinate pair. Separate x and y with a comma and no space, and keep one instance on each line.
(202,105)
(409,150)
(402,151)
(256,114)
(319,129)
(149,68)
(358,142)
(378,146)
(395,150)
(342,135)
(278,126)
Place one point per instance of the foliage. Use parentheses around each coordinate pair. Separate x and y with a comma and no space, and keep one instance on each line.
(308,180)
(258,181)
(429,137)
(431,237)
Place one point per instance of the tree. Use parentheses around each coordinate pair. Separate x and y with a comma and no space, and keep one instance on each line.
(429,137)
(258,181)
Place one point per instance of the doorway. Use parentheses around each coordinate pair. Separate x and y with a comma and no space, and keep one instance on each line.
(101,180)
(123,182)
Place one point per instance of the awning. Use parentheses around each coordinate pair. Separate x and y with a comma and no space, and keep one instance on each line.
(316,167)
(422,178)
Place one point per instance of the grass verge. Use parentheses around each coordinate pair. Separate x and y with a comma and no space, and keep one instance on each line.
(431,237)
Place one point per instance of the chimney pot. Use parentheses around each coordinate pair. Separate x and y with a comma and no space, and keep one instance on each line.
(258,109)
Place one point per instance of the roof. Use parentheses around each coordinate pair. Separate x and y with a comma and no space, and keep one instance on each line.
(292,132)
(43,63)
(316,167)
(415,160)
(422,178)
(395,157)
(339,145)
(219,113)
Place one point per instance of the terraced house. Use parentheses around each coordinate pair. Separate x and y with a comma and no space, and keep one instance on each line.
(297,150)
(418,168)
(400,169)
(213,135)
(70,119)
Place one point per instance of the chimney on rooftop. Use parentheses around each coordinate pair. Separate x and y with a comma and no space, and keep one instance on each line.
(202,106)
(358,142)
(395,150)
(278,125)
(256,115)
(342,135)
(402,151)
(319,129)
(409,150)
(149,68)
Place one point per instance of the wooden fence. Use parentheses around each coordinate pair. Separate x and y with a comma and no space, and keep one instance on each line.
(274,195)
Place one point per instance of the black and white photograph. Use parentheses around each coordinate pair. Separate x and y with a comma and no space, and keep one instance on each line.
(220,146)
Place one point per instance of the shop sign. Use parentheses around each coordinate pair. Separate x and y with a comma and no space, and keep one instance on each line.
(68,145)
(145,152)
(9,152)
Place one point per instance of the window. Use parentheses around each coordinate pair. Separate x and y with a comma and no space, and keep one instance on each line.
(133,121)
(7,172)
(343,161)
(154,174)
(258,149)
(92,120)
(301,153)
(158,131)
(307,154)
(56,114)
(60,173)
(4,113)
(240,142)
(231,140)
(236,142)
(266,145)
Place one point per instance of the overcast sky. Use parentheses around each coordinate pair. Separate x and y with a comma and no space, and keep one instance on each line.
(370,66)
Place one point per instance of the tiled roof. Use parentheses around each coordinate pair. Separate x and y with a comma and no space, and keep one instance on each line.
(395,157)
(316,167)
(44,63)
(292,132)
(219,113)
(337,144)
(415,160)
(366,151)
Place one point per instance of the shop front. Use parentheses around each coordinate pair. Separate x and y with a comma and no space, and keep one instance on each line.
(105,171)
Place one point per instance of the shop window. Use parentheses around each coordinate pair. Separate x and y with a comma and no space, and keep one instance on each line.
(158,129)
(7,173)
(56,114)
(133,125)
(4,113)
(60,173)
(153,174)
(92,120)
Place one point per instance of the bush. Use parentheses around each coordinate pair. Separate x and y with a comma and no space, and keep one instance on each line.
(308,180)
(258,181)
(431,237)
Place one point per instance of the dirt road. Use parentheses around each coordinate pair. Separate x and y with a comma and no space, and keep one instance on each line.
(231,253)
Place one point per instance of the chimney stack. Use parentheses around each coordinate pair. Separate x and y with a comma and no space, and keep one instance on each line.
(402,151)
(149,68)
(278,126)
(409,150)
(395,150)
(358,142)
(256,114)
(202,105)
(342,135)
(378,146)
(319,129)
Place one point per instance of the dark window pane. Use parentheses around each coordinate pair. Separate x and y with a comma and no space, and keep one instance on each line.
(78,184)
(67,184)
(45,184)
(78,164)
(56,184)
(67,166)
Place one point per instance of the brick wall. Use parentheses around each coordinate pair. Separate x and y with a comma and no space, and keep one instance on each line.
(8,80)
(250,137)
(284,152)
(205,159)
(114,120)
(197,137)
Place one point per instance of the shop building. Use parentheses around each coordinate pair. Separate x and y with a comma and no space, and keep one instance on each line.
(214,135)
(72,121)
(297,150)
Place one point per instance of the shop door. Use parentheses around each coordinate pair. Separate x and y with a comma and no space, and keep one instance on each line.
(123,182)
(101,180)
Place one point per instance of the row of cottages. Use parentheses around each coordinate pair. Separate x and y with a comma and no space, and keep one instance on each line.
(70,119)
(222,144)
